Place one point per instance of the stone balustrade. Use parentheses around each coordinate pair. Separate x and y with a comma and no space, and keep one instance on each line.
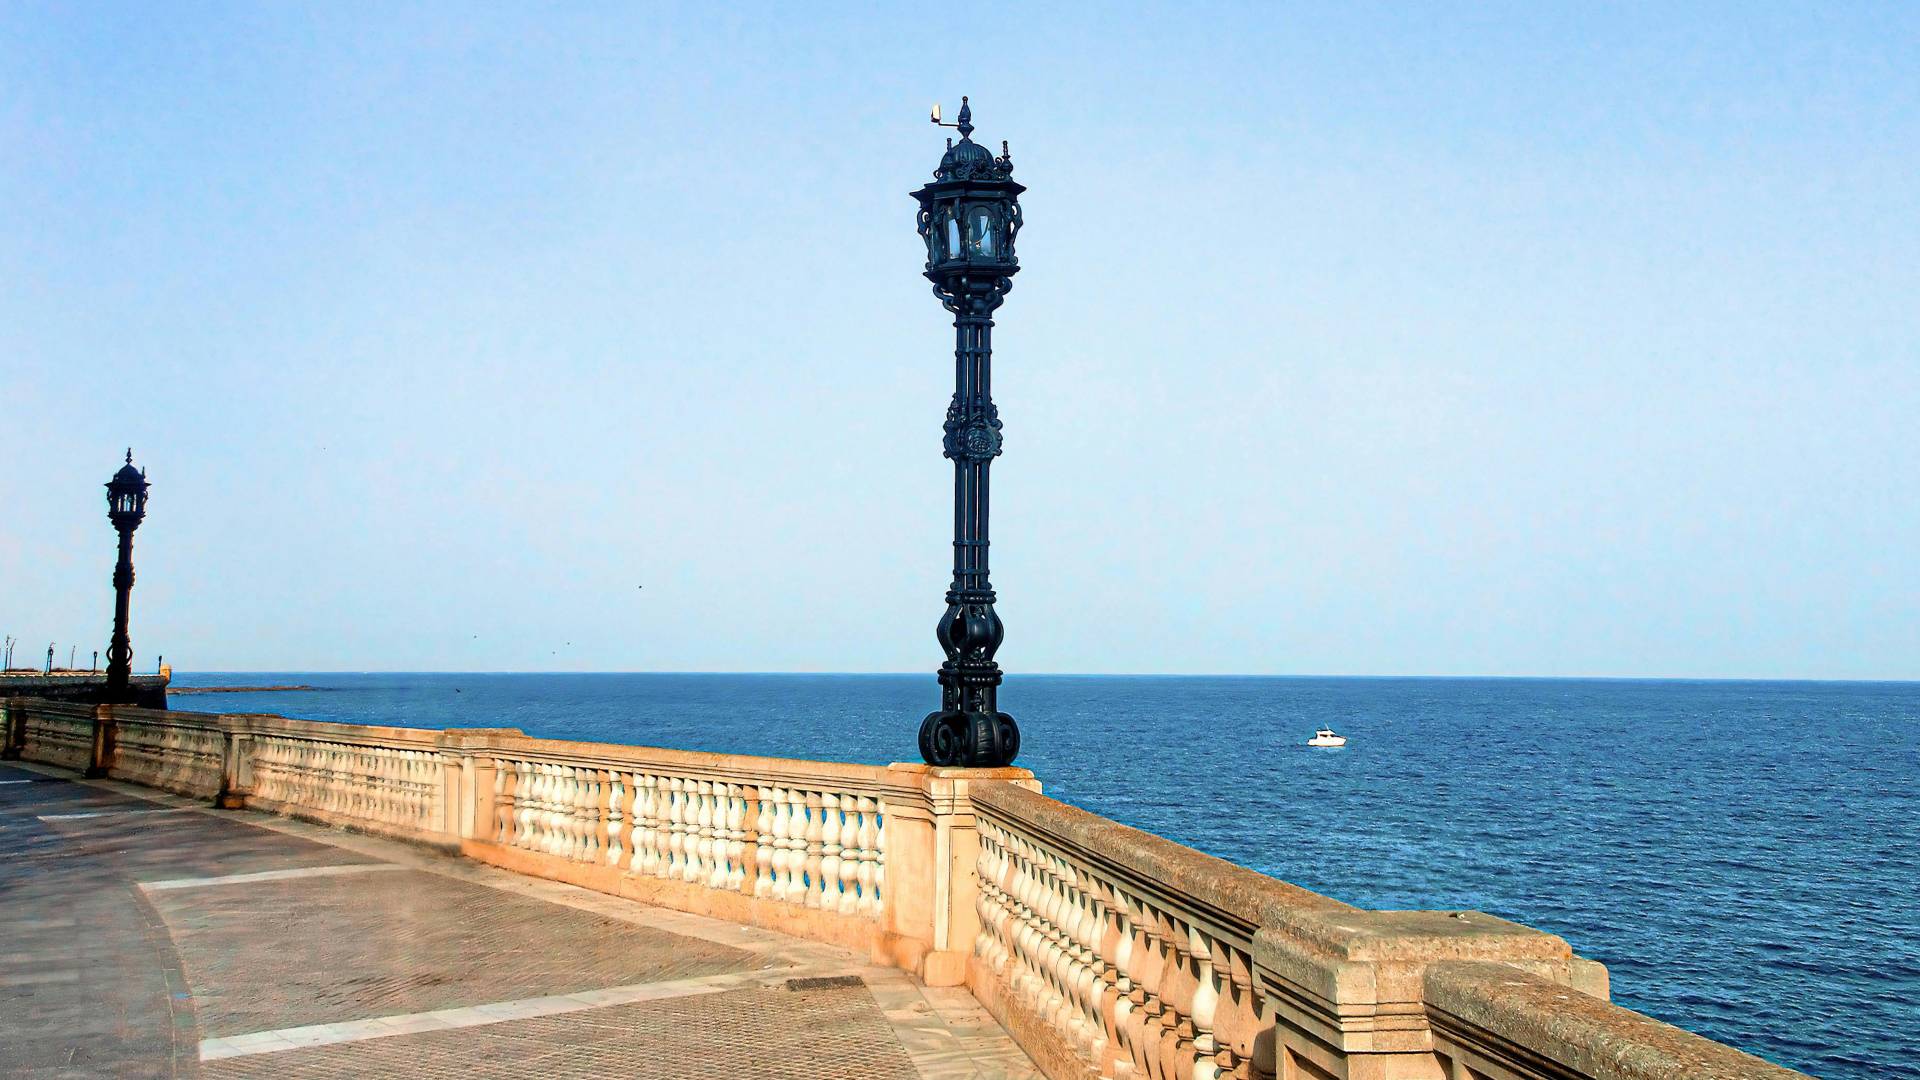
(1113,953)
(1106,951)
(178,752)
(384,780)
(805,847)
(815,849)
(60,733)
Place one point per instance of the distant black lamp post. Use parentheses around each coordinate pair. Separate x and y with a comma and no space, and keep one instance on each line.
(126,507)
(969,216)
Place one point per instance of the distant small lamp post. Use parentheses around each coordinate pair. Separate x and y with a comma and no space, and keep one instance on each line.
(969,216)
(126,508)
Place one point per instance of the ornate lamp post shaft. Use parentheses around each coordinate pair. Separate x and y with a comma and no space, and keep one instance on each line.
(126,508)
(968,217)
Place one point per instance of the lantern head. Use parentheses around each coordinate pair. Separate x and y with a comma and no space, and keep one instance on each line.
(127,496)
(969,217)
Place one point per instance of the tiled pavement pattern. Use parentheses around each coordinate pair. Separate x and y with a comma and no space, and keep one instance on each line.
(342,948)
(771,1033)
(381,959)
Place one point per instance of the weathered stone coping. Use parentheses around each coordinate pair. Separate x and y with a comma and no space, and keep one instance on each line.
(1233,892)
(1530,1022)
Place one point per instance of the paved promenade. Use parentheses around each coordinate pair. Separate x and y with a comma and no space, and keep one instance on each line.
(143,935)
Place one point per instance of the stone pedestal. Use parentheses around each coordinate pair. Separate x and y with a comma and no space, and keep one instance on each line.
(932,848)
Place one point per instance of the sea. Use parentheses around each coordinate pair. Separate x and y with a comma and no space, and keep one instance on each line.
(1743,856)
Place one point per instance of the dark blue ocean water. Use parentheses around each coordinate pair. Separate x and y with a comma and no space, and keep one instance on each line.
(1743,856)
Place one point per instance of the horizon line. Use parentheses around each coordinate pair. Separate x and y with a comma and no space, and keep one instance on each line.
(177,670)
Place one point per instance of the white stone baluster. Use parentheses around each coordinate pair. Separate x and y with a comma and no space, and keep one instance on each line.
(540,812)
(848,886)
(880,864)
(675,817)
(1206,996)
(827,885)
(618,794)
(566,817)
(689,826)
(766,844)
(519,825)
(793,843)
(507,793)
(566,812)
(701,872)
(541,820)
(1120,958)
(664,865)
(646,824)
(815,849)
(737,825)
(529,806)
(591,815)
(716,828)
(868,843)
(593,824)
(548,824)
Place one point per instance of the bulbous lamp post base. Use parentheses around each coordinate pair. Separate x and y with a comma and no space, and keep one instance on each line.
(969,740)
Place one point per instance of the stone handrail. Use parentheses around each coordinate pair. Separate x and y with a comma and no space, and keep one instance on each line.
(1106,951)
(1494,1021)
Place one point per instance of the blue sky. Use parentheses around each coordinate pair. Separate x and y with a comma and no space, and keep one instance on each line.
(1396,339)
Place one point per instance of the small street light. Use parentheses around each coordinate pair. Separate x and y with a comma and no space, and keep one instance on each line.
(126,508)
(969,216)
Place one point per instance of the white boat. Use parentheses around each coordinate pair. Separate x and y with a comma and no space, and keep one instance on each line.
(1326,737)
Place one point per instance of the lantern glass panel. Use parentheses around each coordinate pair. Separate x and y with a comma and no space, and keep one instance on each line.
(980,232)
(953,237)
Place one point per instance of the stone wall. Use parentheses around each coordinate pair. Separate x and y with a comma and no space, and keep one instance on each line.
(1106,951)
(84,687)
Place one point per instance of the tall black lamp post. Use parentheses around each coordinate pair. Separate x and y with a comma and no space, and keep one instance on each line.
(968,217)
(126,507)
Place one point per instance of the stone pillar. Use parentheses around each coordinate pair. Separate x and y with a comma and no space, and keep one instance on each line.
(100,761)
(1344,990)
(469,772)
(456,802)
(13,729)
(930,920)
(750,851)
(236,765)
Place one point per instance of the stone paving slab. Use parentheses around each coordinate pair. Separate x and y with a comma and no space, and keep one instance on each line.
(133,942)
(89,984)
(299,951)
(776,1034)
